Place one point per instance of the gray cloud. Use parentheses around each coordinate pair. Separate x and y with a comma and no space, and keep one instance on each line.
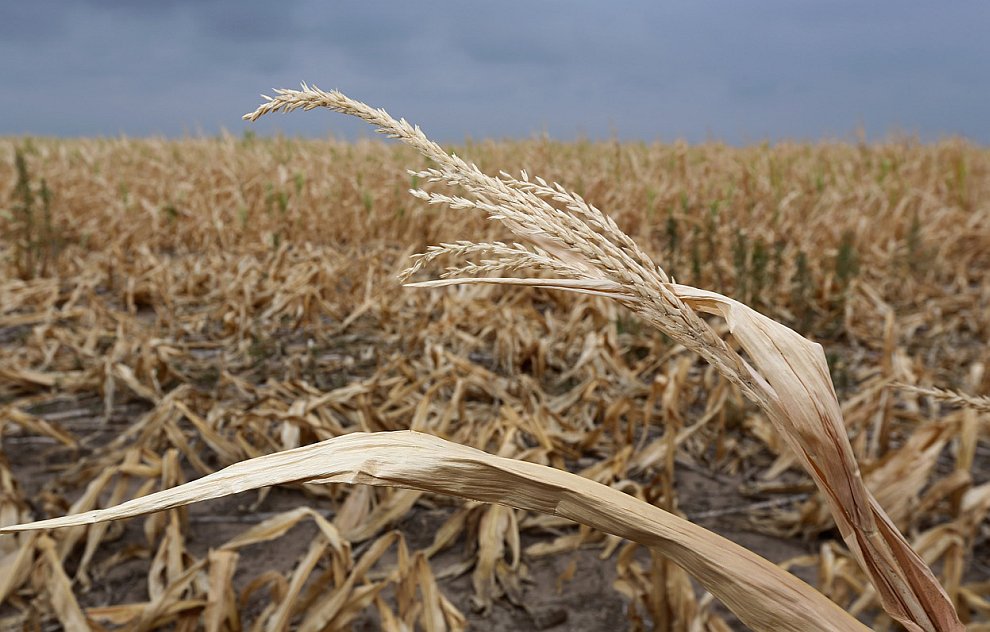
(30,22)
(741,72)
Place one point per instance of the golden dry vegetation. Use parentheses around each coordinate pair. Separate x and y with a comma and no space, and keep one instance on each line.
(168,308)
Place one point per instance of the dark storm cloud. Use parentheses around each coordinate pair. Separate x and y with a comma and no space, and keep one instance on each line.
(736,71)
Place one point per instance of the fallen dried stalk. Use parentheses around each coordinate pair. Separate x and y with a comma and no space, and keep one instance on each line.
(764,596)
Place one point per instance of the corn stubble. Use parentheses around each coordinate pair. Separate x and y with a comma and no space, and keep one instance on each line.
(575,248)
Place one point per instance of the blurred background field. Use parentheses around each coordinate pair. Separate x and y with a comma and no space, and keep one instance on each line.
(171,307)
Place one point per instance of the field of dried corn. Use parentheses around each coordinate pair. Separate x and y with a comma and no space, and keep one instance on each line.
(168,308)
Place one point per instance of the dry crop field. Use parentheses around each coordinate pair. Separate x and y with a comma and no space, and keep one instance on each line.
(169,308)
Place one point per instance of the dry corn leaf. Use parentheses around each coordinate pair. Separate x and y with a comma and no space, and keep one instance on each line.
(15,567)
(416,461)
(349,597)
(807,414)
(899,479)
(280,524)
(67,609)
(221,606)
(286,609)
(36,425)
(391,508)
(493,530)
(161,610)
(433,616)
(123,614)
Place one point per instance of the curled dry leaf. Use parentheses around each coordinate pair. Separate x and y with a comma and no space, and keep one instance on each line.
(70,615)
(422,462)
(805,411)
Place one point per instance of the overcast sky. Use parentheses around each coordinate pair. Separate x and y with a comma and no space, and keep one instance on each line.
(739,71)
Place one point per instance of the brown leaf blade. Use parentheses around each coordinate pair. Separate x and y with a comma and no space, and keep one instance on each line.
(806,412)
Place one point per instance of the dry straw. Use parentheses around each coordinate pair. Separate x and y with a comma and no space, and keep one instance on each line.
(580,249)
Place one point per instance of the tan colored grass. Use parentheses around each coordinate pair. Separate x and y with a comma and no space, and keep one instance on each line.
(225,298)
